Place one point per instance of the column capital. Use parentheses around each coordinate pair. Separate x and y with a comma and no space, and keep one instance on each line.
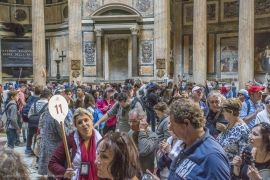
(134,31)
(99,32)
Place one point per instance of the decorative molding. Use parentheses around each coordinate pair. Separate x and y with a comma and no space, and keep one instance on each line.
(143,5)
(229,10)
(134,31)
(212,12)
(147,51)
(76,74)
(262,8)
(65,12)
(89,54)
(75,64)
(20,15)
(91,6)
(160,73)
(99,32)
(160,63)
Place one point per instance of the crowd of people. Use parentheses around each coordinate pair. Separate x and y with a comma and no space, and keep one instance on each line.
(139,130)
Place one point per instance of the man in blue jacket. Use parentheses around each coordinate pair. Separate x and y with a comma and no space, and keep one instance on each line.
(201,156)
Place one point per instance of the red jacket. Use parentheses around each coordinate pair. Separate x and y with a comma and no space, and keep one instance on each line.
(223,90)
(101,104)
(57,164)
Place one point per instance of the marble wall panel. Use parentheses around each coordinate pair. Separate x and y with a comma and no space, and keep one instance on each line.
(89,71)
(146,70)
(88,36)
(4,14)
(57,45)
(52,14)
(145,7)
(147,34)
(146,51)
(127,2)
(89,53)
(90,6)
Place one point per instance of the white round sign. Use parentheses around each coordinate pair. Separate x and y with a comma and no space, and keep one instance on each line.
(58,108)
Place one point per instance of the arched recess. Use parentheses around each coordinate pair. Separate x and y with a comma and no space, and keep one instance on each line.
(123,19)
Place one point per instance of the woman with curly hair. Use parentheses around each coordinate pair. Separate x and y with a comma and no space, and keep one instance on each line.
(12,166)
(117,157)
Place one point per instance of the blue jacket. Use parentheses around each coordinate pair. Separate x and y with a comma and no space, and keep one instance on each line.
(204,159)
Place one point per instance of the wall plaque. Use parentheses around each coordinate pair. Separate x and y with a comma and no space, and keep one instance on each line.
(160,63)
(75,64)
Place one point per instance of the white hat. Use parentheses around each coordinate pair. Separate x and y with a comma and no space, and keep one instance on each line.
(243,91)
(197,88)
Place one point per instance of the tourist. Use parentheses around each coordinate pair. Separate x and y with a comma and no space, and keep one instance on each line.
(215,120)
(264,115)
(82,143)
(12,166)
(117,157)
(243,95)
(234,138)
(196,96)
(259,149)
(162,127)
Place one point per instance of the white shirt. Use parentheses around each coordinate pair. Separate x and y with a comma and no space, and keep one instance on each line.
(77,159)
(262,116)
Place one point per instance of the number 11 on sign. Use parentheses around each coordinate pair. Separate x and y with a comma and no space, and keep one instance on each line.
(56,107)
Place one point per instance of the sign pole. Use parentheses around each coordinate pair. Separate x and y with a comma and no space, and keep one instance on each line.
(65,144)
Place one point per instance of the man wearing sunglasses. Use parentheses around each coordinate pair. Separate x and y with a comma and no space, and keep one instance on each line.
(215,121)
(145,139)
(264,115)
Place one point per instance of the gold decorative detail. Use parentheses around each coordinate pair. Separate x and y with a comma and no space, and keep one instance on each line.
(75,64)
(75,74)
(160,63)
(160,73)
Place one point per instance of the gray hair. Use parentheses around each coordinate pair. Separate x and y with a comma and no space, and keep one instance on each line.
(215,94)
(140,113)
(81,111)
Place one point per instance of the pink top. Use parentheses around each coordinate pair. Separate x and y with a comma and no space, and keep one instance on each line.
(21,96)
(223,90)
(101,104)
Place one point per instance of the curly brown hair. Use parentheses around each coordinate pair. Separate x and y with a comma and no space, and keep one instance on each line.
(161,106)
(232,105)
(12,166)
(185,109)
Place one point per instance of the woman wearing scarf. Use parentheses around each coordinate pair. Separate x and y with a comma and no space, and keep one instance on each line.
(82,146)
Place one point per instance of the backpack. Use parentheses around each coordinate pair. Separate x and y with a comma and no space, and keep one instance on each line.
(97,116)
(34,119)
(248,106)
(5,118)
(143,101)
(27,107)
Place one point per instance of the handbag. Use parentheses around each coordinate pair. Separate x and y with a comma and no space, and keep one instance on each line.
(25,126)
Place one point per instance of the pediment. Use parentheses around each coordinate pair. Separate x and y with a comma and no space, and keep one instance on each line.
(116,12)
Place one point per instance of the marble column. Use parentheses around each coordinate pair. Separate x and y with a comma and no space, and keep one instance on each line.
(162,34)
(135,62)
(99,62)
(38,42)
(75,37)
(199,42)
(177,10)
(246,42)
(1,81)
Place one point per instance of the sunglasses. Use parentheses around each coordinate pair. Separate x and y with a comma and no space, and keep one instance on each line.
(114,136)
(266,126)
(212,102)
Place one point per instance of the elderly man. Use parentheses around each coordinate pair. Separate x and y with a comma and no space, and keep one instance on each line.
(243,95)
(215,121)
(263,116)
(196,96)
(201,156)
(252,106)
(145,139)
(121,110)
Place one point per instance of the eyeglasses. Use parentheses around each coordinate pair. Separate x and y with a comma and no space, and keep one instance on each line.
(212,102)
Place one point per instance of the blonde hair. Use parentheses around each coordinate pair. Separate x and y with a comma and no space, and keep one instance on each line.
(81,111)
(232,105)
(12,166)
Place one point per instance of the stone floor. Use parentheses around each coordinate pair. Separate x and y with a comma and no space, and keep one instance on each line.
(28,160)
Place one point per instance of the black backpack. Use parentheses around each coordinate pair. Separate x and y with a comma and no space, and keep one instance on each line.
(34,119)
(135,100)
(26,108)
